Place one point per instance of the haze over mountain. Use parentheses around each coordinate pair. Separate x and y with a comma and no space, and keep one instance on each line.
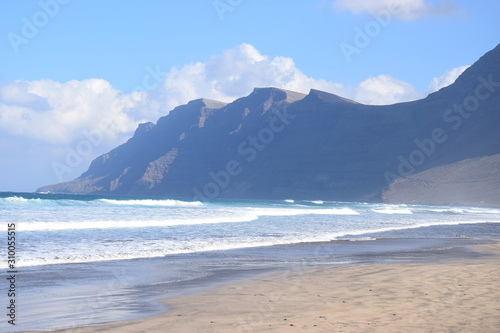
(278,144)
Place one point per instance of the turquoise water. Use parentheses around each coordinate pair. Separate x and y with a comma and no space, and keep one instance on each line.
(59,229)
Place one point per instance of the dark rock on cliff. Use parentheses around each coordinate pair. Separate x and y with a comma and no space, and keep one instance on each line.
(277,144)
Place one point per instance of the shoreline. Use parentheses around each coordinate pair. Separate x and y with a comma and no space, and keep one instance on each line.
(357,297)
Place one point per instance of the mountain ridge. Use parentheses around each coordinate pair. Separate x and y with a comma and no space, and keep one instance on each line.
(279,144)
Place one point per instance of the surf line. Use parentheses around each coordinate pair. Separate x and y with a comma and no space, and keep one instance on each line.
(11,273)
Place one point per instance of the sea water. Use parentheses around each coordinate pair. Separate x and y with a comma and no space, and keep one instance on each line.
(58,229)
(88,259)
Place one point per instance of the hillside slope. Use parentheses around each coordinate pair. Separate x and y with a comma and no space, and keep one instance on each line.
(277,144)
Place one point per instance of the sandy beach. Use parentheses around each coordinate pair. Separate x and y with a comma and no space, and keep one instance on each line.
(452,296)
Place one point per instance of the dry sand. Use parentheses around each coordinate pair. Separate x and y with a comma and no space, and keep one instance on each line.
(453,296)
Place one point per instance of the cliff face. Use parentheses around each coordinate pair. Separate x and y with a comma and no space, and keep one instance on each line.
(277,144)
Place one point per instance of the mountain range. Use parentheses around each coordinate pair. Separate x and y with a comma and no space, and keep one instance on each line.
(279,144)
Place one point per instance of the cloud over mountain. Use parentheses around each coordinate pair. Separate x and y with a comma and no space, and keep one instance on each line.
(447,78)
(407,10)
(61,114)
(58,112)
(235,73)
(276,144)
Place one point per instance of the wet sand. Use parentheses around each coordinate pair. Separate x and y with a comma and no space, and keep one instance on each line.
(460,295)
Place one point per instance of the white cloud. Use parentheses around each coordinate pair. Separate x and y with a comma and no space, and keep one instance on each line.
(54,116)
(407,10)
(238,70)
(446,79)
(234,74)
(385,89)
(59,112)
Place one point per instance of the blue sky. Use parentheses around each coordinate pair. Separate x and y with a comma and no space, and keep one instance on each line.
(76,77)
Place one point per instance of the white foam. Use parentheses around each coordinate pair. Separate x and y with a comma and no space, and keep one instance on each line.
(359,239)
(442,210)
(459,210)
(481,211)
(160,248)
(123,224)
(403,211)
(153,203)
(19,200)
(16,200)
(317,202)
(148,248)
(204,216)
(304,211)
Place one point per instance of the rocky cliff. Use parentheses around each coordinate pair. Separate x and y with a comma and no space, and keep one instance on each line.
(277,144)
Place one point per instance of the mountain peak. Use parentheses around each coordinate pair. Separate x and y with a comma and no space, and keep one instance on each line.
(209,103)
(323,146)
(278,94)
(488,66)
(328,97)
(144,128)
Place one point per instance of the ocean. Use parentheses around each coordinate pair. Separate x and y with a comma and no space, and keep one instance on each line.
(139,247)
(59,229)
